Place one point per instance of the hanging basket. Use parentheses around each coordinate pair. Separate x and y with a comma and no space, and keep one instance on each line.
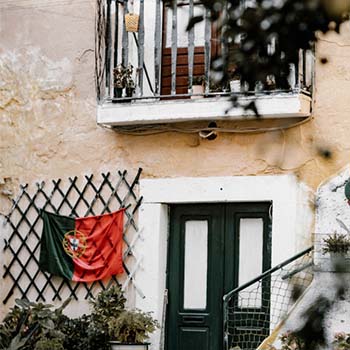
(132,22)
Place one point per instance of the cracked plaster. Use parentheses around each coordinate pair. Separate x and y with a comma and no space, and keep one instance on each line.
(47,114)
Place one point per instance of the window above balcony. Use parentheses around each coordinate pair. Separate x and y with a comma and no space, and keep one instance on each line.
(157,72)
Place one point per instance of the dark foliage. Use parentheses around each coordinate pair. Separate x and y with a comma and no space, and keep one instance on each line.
(81,334)
(313,333)
(270,34)
(28,323)
(37,326)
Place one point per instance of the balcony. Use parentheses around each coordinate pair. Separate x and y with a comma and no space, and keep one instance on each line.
(149,74)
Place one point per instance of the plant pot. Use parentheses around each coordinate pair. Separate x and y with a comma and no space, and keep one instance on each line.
(118,92)
(235,85)
(197,89)
(129,92)
(340,262)
(132,22)
(115,345)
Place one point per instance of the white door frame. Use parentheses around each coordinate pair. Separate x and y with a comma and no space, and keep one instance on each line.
(291,221)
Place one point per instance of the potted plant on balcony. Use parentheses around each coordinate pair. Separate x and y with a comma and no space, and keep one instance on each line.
(129,82)
(338,246)
(119,80)
(130,330)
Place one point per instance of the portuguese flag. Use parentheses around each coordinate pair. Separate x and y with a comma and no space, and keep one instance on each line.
(82,249)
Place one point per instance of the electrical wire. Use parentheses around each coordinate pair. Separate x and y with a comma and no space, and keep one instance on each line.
(159,129)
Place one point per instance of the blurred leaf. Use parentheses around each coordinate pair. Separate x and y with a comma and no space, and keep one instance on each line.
(193,21)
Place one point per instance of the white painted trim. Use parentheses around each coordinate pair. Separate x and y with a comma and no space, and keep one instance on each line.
(291,221)
(287,105)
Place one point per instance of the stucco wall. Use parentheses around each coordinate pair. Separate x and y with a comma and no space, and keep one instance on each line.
(48,112)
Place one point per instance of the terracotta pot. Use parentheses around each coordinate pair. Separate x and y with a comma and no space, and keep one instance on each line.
(197,89)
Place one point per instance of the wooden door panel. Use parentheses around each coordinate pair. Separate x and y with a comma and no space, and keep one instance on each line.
(194,338)
(181,69)
(182,59)
(188,326)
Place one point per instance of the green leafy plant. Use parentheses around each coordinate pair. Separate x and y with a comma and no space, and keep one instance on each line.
(132,326)
(108,303)
(198,80)
(110,320)
(341,341)
(216,87)
(38,326)
(10,327)
(18,341)
(28,322)
(336,243)
(82,334)
(49,344)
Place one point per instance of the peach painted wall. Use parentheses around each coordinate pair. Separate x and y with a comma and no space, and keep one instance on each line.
(48,112)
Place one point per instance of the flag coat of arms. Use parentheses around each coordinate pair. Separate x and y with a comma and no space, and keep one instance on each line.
(82,249)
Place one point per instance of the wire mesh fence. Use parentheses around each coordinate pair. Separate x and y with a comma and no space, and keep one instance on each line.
(252,311)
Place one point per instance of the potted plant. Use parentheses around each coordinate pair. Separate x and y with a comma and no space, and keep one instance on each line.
(123,329)
(129,82)
(215,86)
(337,245)
(130,330)
(119,80)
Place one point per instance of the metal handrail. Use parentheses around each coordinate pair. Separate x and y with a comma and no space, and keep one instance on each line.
(227,297)
(245,94)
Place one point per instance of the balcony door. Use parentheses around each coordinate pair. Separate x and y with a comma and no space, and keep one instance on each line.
(182,47)
(212,249)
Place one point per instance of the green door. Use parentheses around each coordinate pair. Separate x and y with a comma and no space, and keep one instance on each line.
(207,258)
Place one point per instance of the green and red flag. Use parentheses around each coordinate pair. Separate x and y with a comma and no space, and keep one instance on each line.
(82,249)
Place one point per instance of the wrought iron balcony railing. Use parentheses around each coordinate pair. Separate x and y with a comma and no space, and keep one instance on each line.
(145,53)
